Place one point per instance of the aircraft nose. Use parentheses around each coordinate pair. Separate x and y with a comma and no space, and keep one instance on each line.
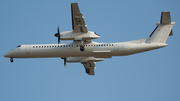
(8,54)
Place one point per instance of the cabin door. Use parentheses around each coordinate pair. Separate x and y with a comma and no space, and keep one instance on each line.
(27,48)
(116,47)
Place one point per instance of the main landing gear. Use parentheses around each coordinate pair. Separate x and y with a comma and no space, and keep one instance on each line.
(82,46)
(87,70)
(11,60)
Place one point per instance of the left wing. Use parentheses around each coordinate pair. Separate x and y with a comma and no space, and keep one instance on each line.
(78,23)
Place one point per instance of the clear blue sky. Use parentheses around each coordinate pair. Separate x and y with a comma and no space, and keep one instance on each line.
(149,76)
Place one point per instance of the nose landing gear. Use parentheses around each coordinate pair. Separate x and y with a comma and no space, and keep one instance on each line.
(11,60)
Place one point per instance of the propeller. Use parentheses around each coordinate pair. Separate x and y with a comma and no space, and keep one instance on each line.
(64,61)
(58,35)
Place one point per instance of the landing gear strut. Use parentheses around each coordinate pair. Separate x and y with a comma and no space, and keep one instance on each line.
(11,60)
(87,69)
(82,46)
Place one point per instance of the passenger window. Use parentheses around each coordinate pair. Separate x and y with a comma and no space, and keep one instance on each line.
(33,46)
(76,45)
(50,46)
(39,46)
(44,46)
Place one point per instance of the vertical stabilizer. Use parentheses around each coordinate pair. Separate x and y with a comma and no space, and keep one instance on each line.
(163,29)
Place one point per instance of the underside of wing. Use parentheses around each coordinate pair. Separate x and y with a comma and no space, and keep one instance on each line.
(84,59)
(88,62)
(78,23)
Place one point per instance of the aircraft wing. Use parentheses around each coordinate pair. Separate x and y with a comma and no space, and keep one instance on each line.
(78,23)
(88,62)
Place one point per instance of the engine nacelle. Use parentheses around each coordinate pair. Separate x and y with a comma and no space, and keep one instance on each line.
(70,35)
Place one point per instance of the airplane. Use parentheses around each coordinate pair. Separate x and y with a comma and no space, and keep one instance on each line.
(87,52)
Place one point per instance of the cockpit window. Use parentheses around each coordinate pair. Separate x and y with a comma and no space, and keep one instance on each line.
(96,33)
(19,46)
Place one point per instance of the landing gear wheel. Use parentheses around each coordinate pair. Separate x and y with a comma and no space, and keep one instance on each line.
(87,71)
(81,48)
(11,60)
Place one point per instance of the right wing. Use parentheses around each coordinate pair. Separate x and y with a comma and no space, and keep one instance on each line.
(78,23)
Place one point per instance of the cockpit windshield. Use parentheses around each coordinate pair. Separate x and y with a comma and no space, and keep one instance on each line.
(96,33)
(19,46)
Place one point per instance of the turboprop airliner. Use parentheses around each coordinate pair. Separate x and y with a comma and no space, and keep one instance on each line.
(82,49)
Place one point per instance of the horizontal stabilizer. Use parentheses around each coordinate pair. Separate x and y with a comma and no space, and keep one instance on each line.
(165,18)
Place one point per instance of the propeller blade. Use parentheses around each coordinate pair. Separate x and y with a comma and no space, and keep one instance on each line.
(58,39)
(64,62)
(58,30)
(58,35)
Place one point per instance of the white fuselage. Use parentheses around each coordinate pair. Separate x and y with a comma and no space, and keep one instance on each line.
(102,50)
